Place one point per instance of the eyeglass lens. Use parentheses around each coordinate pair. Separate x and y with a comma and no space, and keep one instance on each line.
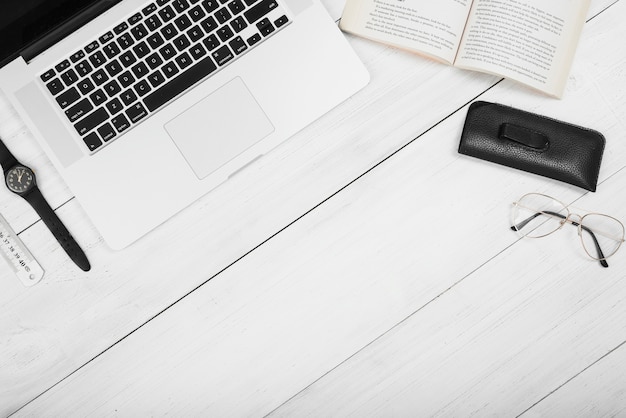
(536,215)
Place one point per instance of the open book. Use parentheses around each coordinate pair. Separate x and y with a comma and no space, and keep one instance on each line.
(529,41)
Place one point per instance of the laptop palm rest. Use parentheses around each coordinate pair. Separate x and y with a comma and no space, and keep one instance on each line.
(219,127)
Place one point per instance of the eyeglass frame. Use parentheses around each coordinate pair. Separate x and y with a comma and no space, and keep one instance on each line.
(566,219)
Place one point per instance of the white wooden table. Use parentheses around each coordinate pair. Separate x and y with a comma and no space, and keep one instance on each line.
(362,268)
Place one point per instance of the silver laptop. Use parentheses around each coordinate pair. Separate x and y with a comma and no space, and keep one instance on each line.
(144,106)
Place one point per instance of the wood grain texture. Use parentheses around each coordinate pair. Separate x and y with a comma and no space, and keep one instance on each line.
(124,290)
(354,296)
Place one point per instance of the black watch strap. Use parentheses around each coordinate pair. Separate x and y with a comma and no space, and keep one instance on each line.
(60,232)
(7,159)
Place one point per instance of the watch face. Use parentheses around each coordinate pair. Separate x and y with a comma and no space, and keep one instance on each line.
(20,179)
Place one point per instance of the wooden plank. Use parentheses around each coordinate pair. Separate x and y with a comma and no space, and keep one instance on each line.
(596,391)
(497,342)
(72,317)
(342,276)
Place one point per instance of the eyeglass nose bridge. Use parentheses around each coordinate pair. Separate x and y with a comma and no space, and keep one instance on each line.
(577,223)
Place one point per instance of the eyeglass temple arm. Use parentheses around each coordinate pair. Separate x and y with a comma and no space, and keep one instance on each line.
(525,222)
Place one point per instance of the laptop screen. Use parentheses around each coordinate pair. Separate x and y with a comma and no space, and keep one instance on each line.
(24,21)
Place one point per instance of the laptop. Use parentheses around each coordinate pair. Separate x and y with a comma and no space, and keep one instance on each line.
(145,106)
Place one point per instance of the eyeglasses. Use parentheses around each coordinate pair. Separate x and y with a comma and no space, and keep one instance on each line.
(536,215)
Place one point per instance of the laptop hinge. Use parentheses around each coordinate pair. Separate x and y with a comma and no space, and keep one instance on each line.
(56,35)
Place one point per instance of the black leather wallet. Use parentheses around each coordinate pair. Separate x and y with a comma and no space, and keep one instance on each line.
(533,143)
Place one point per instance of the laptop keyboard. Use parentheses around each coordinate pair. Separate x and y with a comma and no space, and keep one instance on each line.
(119,79)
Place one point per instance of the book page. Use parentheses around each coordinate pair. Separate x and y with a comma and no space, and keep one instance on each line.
(430,27)
(530,41)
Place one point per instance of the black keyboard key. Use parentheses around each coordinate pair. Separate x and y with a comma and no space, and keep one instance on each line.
(168,52)
(170,69)
(167,13)
(179,84)
(92,46)
(127,59)
(128,97)
(141,49)
(169,31)
(85,86)
(250,2)
(162,2)
(47,76)
(106,132)
(136,112)
(134,19)
(209,24)
(197,51)
(281,21)
(120,28)
(92,141)
(77,56)
(140,70)
(155,40)
(254,39)
(98,97)
(180,5)
(153,22)
(238,24)
(210,5)
(195,33)
(91,121)
(97,59)
(113,68)
(68,97)
(106,37)
(212,42)
(259,10)
(69,77)
(79,110)
(151,8)
(139,32)
(238,45)
(182,22)
(62,66)
(181,42)
(183,60)
(225,33)
(196,13)
(111,49)
(114,106)
(126,79)
(156,78)
(236,6)
(142,88)
(100,77)
(83,68)
(265,26)
(154,60)
(112,88)
(222,55)
(223,15)
(125,40)
(55,86)
(120,122)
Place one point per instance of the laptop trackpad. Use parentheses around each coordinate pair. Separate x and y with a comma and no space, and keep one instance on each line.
(219,127)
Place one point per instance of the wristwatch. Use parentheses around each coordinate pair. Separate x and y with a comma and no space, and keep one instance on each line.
(21,181)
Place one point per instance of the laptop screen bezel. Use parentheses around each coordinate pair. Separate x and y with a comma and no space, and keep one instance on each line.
(25,22)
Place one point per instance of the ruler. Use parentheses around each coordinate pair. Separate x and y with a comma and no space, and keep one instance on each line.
(17,256)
